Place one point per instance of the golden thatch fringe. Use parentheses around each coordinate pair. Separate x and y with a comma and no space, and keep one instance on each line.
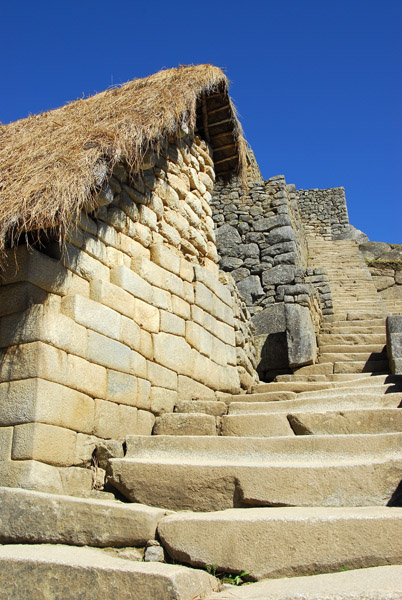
(48,162)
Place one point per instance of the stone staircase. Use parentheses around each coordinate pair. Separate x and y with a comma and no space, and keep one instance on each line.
(297,483)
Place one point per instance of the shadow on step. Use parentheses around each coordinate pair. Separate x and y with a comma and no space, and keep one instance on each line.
(396,498)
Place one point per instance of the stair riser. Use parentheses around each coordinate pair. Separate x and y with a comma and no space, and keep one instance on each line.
(208,487)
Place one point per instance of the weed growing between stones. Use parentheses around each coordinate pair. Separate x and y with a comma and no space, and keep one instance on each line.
(230,578)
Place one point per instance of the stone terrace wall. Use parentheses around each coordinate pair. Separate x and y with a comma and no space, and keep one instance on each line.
(100,338)
(261,242)
(324,212)
(385,265)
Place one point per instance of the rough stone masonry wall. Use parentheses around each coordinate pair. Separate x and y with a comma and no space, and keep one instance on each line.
(324,212)
(100,338)
(385,265)
(261,242)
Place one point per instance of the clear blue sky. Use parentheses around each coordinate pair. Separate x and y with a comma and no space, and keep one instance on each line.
(317,82)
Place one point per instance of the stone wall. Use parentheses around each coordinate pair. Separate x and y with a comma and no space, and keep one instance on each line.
(394,343)
(99,337)
(385,265)
(262,243)
(324,212)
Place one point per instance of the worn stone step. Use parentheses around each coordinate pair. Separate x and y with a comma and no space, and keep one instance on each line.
(354,348)
(306,377)
(275,396)
(300,386)
(352,356)
(256,425)
(185,424)
(206,485)
(374,583)
(327,339)
(315,403)
(347,422)
(36,517)
(352,329)
(31,572)
(204,474)
(356,366)
(372,322)
(316,369)
(350,421)
(320,378)
(286,542)
(208,407)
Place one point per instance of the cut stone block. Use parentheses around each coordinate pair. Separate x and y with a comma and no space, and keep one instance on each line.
(185,424)
(162,400)
(6,440)
(208,407)
(188,389)
(18,297)
(37,518)
(48,571)
(132,282)
(45,443)
(46,362)
(108,353)
(256,425)
(31,475)
(284,542)
(38,400)
(349,421)
(46,273)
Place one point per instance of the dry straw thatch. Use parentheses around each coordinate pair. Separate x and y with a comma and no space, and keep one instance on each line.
(48,162)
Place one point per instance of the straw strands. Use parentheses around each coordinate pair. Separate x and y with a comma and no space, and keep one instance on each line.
(50,163)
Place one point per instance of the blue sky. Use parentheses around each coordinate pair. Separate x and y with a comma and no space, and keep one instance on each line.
(317,83)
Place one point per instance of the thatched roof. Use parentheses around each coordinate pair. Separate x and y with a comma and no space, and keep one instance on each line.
(49,163)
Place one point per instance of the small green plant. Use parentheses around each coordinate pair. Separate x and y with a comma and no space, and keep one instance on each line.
(234,579)
(227,577)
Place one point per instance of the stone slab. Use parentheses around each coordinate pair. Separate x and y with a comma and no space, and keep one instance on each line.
(346,422)
(375,583)
(185,424)
(34,517)
(256,425)
(285,542)
(207,473)
(42,572)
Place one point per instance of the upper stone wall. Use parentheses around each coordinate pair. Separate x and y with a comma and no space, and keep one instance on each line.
(324,212)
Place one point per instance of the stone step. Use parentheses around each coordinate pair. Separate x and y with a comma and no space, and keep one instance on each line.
(31,572)
(204,474)
(286,542)
(353,316)
(316,369)
(209,407)
(325,339)
(254,424)
(352,356)
(334,326)
(355,348)
(369,366)
(185,424)
(364,324)
(315,403)
(393,381)
(38,518)
(379,583)
(313,377)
